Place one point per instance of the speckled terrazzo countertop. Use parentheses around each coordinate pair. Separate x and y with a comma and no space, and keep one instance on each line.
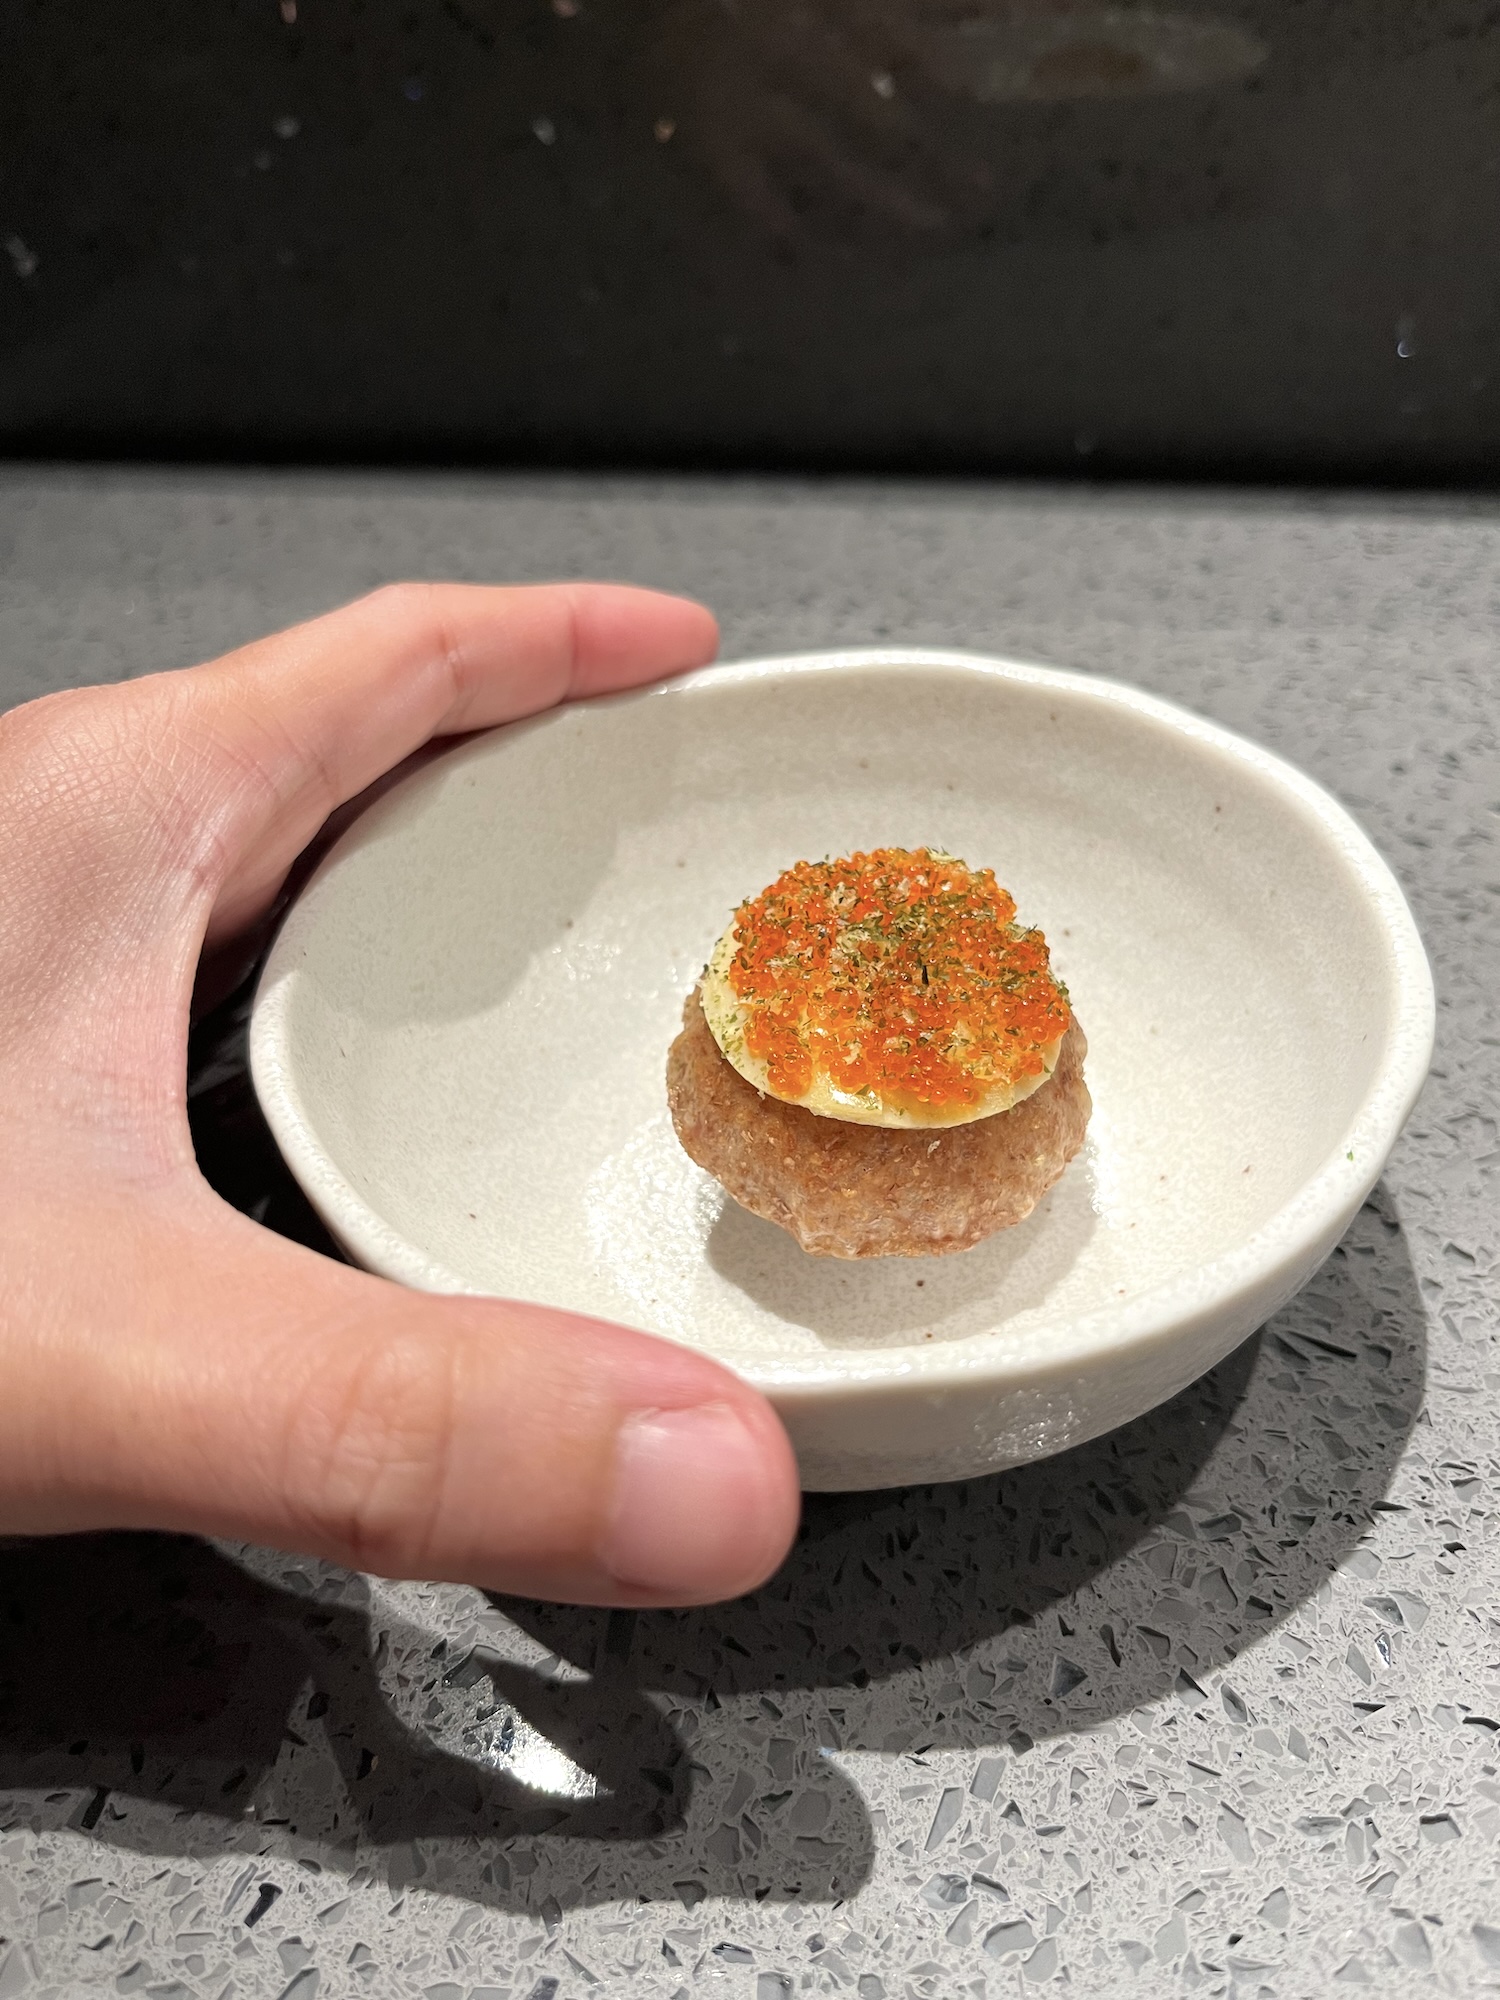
(1210,1706)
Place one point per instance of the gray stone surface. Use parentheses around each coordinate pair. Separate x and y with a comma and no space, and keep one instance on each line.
(1210,1706)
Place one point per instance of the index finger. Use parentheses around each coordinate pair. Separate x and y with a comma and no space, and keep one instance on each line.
(296,725)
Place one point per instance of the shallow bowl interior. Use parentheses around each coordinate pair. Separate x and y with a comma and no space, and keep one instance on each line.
(461,1035)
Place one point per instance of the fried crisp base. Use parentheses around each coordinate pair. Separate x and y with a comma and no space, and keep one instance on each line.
(847,1190)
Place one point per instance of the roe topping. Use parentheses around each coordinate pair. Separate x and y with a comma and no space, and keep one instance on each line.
(899,974)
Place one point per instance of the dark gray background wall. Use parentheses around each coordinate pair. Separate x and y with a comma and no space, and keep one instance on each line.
(1256,237)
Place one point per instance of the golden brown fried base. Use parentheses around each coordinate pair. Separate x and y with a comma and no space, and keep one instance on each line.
(866,1190)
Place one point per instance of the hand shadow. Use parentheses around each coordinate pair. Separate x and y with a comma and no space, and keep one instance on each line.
(172,1691)
(163,1687)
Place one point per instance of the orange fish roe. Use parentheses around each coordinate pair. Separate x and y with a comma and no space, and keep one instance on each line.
(900,974)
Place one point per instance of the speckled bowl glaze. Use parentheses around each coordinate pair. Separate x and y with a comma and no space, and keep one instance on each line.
(460,1035)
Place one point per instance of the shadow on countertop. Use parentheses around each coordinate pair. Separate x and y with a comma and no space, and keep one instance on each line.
(187,1705)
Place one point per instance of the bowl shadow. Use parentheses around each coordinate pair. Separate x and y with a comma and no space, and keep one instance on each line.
(1011,1608)
(158,1695)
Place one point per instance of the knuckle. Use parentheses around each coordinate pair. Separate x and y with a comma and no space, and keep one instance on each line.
(422,610)
(100,748)
(53,729)
(81,800)
(369,1459)
(404,602)
(401,592)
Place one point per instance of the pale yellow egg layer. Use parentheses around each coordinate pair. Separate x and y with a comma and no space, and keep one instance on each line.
(726,1017)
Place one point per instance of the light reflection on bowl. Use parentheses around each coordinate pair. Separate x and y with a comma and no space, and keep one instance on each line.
(1053,55)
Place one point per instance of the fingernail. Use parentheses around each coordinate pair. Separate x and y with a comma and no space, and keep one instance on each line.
(693,1493)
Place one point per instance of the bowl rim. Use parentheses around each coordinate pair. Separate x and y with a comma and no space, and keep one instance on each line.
(1289,1242)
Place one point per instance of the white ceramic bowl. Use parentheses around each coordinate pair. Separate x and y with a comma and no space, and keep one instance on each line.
(460,1036)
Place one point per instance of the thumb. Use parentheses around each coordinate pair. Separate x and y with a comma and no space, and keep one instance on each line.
(264,1393)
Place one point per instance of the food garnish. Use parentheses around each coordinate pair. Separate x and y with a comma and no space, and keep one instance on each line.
(891,988)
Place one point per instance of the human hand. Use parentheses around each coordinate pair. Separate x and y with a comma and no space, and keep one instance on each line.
(822,121)
(895,121)
(166,1362)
